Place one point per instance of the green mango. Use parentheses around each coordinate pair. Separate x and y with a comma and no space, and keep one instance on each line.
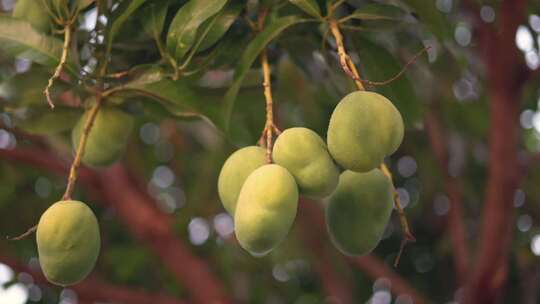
(359,210)
(266,209)
(107,139)
(304,154)
(35,12)
(364,128)
(234,172)
(68,242)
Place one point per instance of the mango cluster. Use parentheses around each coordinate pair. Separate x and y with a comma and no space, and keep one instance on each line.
(364,128)
(68,242)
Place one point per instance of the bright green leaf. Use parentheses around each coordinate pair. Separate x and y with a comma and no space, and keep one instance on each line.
(34,12)
(377,64)
(251,53)
(311,7)
(183,29)
(223,22)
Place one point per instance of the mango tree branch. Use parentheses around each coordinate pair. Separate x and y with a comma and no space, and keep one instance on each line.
(455,226)
(350,69)
(93,289)
(141,216)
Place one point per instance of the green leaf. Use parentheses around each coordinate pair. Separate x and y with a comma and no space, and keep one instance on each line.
(26,89)
(43,121)
(377,64)
(378,11)
(311,7)
(251,53)
(18,37)
(178,97)
(33,12)
(153,17)
(183,29)
(219,27)
(119,17)
(431,17)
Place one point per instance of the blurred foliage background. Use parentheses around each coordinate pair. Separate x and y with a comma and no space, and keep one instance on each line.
(168,175)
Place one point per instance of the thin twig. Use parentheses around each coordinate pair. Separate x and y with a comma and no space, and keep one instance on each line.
(24,235)
(73,171)
(350,69)
(407,235)
(61,64)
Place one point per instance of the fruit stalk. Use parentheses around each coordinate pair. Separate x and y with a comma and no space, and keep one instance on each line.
(73,171)
(269,127)
(350,69)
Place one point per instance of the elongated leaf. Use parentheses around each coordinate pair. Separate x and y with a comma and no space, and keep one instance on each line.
(120,15)
(178,97)
(311,7)
(43,121)
(223,22)
(183,29)
(33,12)
(17,37)
(251,53)
(379,12)
(377,64)
(430,16)
(153,17)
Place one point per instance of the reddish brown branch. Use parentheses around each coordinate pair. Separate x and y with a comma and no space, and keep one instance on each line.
(312,227)
(502,61)
(141,215)
(312,221)
(95,290)
(453,186)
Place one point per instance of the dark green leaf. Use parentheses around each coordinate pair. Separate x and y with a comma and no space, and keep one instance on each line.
(311,7)
(183,29)
(27,88)
(430,16)
(153,17)
(120,15)
(377,64)
(43,121)
(251,53)
(178,97)
(223,22)
(378,11)
(18,37)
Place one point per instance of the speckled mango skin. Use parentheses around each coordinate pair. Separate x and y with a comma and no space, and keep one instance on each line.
(68,242)
(364,128)
(266,209)
(234,172)
(107,139)
(358,211)
(305,155)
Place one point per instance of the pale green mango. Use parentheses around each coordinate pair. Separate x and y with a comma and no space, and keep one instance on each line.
(34,12)
(304,154)
(365,127)
(359,210)
(266,209)
(107,139)
(234,172)
(68,242)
